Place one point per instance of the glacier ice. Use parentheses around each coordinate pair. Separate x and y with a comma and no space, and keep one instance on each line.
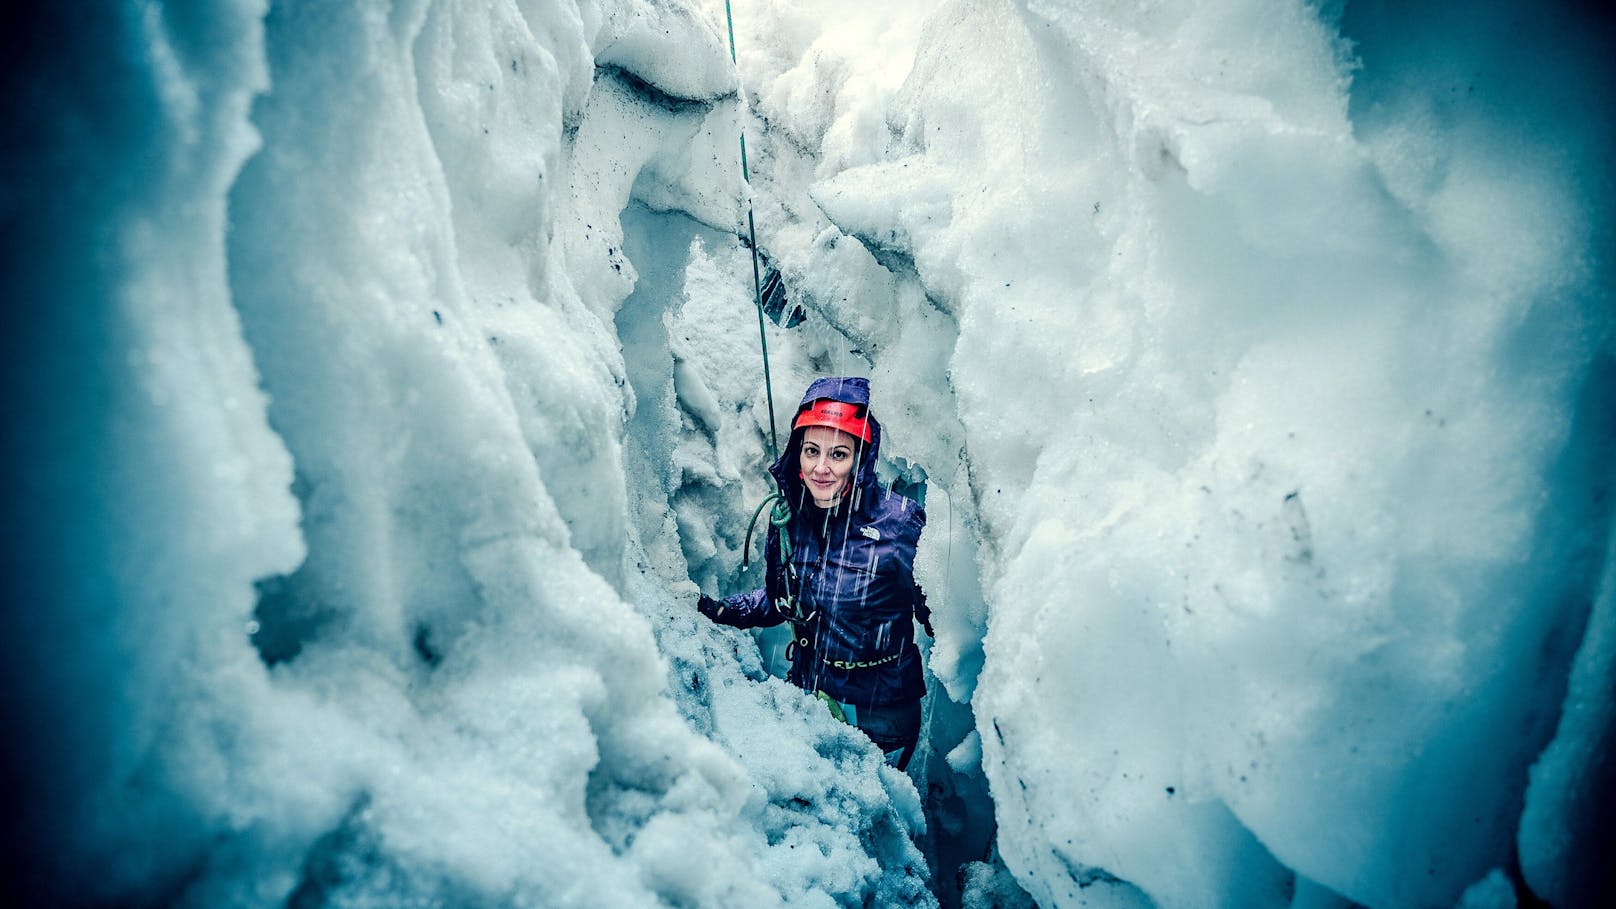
(378,371)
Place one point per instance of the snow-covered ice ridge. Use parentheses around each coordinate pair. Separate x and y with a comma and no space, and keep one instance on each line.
(378,371)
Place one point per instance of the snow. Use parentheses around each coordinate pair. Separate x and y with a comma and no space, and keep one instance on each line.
(375,623)
(383,374)
(1269,440)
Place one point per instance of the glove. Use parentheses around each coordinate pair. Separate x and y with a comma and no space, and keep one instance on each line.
(709,607)
(923,614)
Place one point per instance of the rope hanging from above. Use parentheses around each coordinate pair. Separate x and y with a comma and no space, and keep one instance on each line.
(751,230)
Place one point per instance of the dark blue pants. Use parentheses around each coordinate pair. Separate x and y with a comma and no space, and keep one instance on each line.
(894,728)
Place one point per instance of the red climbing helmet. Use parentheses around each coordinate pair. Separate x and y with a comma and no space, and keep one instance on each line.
(849,418)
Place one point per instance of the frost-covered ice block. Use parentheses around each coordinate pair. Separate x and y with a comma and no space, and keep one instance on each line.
(336,595)
(1257,355)
(1278,349)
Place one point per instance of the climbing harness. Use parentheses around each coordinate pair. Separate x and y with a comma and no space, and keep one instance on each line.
(802,625)
(862,664)
(787,606)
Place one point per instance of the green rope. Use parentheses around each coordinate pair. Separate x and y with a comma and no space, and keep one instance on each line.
(835,706)
(779,517)
(757,280)
(730,21)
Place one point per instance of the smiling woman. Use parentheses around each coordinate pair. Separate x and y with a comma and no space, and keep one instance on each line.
(841,571)
(827,458)
(832,434)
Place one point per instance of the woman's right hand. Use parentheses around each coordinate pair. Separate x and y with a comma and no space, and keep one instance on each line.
(709,607)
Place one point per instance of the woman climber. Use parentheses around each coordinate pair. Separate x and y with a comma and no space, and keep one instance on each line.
(840,569)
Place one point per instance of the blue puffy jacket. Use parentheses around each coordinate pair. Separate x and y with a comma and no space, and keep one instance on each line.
(850,588)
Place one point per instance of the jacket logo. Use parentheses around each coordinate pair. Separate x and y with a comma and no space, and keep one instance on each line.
(870,532)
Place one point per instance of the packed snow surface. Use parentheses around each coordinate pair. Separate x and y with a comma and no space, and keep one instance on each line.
(382,374)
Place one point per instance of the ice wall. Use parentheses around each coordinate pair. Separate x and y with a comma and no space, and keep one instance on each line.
(376,370)
(1273,375)
(328,580)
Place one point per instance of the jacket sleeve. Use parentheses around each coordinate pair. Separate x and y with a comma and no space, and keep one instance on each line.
(923,612)
(755,608)
(917,597)
(742,610)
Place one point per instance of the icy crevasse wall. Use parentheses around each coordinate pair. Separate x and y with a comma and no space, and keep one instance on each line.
(320,559)
(1283,382)
(1283,454)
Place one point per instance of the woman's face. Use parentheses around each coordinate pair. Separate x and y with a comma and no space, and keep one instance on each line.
(827,462)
